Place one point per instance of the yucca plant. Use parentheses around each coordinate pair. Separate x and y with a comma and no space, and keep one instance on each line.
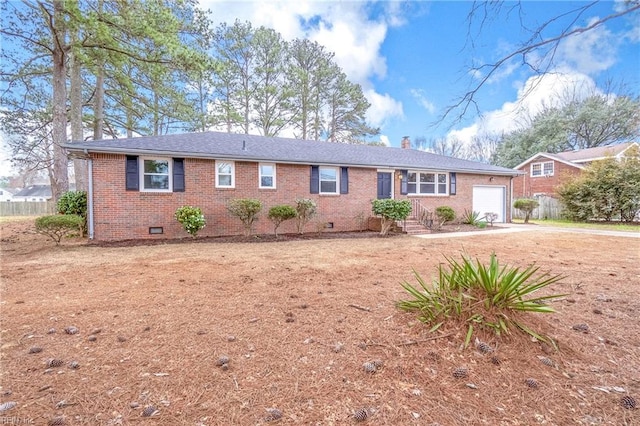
(470,217)
(491,297)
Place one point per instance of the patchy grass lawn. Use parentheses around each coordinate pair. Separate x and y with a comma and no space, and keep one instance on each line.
(298,321)
(625,227)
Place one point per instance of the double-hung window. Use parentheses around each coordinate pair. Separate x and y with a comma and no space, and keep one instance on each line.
(155,174)
(267,175)
(329,180)
(225,174)
(542,169)
(427,183)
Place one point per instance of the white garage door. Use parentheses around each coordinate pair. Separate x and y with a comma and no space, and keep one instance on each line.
(489,199)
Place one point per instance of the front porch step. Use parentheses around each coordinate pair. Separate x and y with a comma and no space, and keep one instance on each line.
(413,227)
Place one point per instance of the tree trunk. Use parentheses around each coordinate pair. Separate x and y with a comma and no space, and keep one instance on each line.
(59,174)
(75,94)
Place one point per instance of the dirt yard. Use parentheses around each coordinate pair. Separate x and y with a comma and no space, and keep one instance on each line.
(298,320)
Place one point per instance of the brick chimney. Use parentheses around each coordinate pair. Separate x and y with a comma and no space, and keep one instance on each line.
(406,143)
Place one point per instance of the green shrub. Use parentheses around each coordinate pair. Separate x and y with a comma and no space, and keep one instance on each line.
(390,211)
(605,190)
(445,214)
(279,214)
(491,297)
(245,209)
(306,209)
(481,224)
(526,206)
(74,202)
(58,226)
(470,217)
(191,218)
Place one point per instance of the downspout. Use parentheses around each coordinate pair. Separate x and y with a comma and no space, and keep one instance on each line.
(90,197)
(511,199)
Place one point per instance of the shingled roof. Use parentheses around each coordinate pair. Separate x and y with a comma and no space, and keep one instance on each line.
(242,147)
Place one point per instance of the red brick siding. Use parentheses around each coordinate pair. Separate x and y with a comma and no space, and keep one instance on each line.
(121,214)
(463,200)
(525,186)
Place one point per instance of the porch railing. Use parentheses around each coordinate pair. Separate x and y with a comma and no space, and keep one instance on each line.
(421,214)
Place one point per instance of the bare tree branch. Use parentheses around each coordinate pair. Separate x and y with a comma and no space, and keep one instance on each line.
(486,10)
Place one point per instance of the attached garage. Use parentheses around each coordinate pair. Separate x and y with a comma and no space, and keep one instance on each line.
(490,199)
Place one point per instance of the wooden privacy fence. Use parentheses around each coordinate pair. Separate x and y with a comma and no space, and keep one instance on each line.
(27,208)
(549,208)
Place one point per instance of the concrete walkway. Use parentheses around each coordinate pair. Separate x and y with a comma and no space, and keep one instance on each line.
(509,228)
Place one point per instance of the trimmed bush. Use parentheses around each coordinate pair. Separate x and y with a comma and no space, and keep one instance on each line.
(390,211)
(445,214)
(306,209)
(191,218)
(74,202)
(58,226)
(526,206)
(279,214)
(245,209)
(491,297)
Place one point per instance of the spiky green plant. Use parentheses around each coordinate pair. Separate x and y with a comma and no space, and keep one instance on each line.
(490,297)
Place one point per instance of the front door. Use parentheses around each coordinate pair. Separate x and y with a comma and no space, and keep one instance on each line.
(385,180)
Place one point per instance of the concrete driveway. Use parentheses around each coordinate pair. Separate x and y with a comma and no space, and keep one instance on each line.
(507,228)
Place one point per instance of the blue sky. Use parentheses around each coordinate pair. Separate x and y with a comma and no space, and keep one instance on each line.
(412,58)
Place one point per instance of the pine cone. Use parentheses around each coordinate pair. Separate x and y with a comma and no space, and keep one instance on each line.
(460,373)
(222,360)
(483,347)
(274,414)
(361,414)
(532,383)
(628,402)
(369,367)
(149,411)
(56,421)
(53,363)
(547,361)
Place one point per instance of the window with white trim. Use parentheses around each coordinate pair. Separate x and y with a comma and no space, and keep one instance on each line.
(155,174)
(542,169)
(225,174)
(329,183)
(426,183)
(267,175)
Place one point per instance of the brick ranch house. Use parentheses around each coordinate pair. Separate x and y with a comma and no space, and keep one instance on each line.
(136,185)
(543,172)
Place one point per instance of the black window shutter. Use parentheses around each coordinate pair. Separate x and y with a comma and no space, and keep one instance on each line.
(314,187)
(452,183)
(178,175)
(344,180)
(132,178)
(404,187)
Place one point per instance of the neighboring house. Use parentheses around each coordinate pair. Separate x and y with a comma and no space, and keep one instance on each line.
(136,185)
(6,194)
(33,193)
(543,172)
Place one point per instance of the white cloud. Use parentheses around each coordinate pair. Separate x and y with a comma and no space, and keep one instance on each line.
(419,95)
(533,96)
(385,140)
(589,52)
(383,108)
